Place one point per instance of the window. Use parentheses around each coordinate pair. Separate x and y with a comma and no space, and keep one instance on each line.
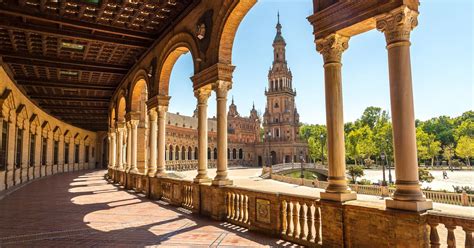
(241,154)
(183,153)
(19,147)
(56,151)
(76,153)
(215,153)
(87,154)
(276,105)
(234,154)
(44,150)
(208,153)
(176,153)
(93,151)
(228,153)
(66,153)
(189,153)
(3,148)
(170,156)
(195,153)
(32,149)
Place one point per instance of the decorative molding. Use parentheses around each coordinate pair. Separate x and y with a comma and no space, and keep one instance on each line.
(398,24)
(263,211)
(212,74)
(332,47)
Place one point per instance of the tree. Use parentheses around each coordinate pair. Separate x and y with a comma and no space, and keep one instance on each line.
(312,134)
(465,148)
(424,175)
(355,171)
(448,153)
(428,147)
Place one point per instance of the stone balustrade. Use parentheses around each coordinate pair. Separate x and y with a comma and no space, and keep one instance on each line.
(451,223)
(461,199)
(299,219)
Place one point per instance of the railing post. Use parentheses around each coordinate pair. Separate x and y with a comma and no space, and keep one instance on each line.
(464,199)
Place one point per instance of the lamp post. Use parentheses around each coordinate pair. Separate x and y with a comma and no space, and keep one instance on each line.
(382,156)
(269,154)
(301,161)
(389,171)
(322,149)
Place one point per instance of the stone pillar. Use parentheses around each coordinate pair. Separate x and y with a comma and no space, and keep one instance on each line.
(397,26)
(119,162)
(202,94)
(113,149)
(109,139)
(129,147)
(153,119)
(10,170)
(25,176)
(161,163)
(221,88)
(61,153)
(134,143)
(332,47)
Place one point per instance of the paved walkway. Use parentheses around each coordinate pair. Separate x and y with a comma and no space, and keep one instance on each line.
(81,210)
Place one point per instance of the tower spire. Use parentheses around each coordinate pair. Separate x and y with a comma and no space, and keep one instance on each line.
(278,15)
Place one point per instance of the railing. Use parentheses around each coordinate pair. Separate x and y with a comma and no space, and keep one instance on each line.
(462,199)
(450,223)
(188,193)
(237,203)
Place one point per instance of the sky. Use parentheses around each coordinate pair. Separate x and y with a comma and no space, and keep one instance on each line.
(441,54)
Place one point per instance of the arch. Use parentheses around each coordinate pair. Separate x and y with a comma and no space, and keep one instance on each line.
(178,45)
(241,154)
(195,153)
(190,153)
(170,150)
(234,153)
(229,28)
(215,153)
(112,118)
(183,153)
(7,103)
(208,153)
(228,153)
(138,98)
(121,109)
(176,153)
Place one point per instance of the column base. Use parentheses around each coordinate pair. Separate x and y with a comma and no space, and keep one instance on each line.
(202,180)
(416,206)
(161,175)
(151,173)
(338,197)
(222,182)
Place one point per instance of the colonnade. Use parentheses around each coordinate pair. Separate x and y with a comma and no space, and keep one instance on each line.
(124,151)
(396,27)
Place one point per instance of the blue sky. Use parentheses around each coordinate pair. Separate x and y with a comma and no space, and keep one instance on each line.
(441,52)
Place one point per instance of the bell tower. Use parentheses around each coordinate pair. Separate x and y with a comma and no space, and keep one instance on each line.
(281,119)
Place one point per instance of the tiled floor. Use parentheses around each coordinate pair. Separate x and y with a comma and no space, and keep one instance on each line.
(81,210)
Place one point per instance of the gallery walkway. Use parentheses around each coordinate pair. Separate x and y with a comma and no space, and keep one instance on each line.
(80,209)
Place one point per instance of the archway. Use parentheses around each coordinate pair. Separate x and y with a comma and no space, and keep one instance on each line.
(138,112)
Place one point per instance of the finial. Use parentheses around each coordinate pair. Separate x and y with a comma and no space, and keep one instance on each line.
(232,99)
(253,105)
(278,14)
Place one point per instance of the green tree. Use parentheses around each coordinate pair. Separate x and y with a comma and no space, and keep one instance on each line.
(448,153)
(428,147)
(442,128)
(465,128)
(465,148)
(312,134)
(424,175)
(355,171)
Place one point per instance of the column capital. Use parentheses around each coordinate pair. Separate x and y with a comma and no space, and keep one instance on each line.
(203,93)
(222,87)
(332,47)
(134,123)
(132,116)
(152,113)
(397,24)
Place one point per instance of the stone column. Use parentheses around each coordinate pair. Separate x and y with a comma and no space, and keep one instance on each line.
(221,88)
(120,131)
(397,26)
(152,117)
(161,164)
(202,94)
(134,139)
(61,153)
(129,147)
(109,138)
(113,149)
(332,47)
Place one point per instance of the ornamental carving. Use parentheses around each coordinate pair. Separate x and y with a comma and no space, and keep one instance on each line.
(222,87)
(398,24)
(332,47)
(202,94)
(263,211)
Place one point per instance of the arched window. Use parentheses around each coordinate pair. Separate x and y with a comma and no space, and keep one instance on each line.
(241,154)
(176,153)
(195,153)
(183,153)
(208,153)
(234,154)
(277,131)
(170,156)
(228,153)
(215,153)
(276,105)
(190,153)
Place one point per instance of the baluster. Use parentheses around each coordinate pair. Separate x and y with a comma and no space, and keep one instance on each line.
(246,209)
(317,225)
(229,205)
(469,242)
(295,220)
(232,201)
(310,220)
(284,223)
(290,219)
(241,208)
(434,237)
(302,221)
(237,206)
(451,237)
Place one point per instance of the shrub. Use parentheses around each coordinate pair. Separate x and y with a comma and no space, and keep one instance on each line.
(365,182)
(460,189)
(424,175)
(355,171)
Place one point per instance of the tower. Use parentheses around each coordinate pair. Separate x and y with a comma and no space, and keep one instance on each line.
(281,119)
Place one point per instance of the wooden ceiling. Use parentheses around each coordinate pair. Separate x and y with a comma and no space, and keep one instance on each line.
(70,55)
